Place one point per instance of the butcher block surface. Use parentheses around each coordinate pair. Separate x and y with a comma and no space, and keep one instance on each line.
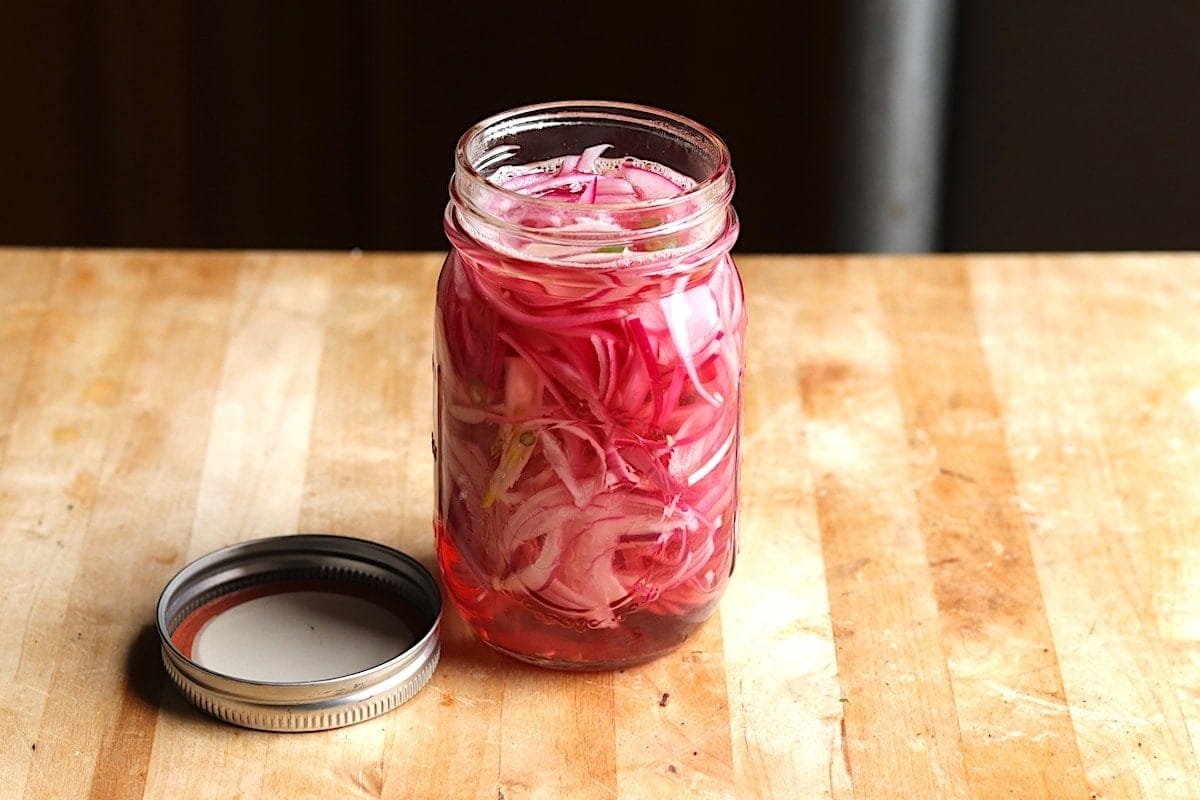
(970,534)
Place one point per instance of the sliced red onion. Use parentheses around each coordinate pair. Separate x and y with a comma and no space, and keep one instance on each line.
(649,185)
(582,179)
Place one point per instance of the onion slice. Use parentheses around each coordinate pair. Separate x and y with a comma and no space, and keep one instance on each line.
(587,179)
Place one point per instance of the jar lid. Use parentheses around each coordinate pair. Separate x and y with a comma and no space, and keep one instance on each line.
(300,633)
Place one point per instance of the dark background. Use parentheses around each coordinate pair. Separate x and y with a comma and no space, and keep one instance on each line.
(1071,126)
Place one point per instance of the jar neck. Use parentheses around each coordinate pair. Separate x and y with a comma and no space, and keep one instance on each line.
(663,234)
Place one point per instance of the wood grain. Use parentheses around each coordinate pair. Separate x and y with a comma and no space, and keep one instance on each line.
(899,721)
(969,565)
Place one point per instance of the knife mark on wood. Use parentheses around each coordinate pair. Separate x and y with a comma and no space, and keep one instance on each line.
(962,476)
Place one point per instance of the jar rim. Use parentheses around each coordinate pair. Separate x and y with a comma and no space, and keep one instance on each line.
(557,112)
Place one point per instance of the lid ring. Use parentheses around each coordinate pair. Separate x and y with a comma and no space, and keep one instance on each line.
(319,564)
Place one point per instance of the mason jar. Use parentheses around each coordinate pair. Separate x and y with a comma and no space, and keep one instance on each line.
(590,330)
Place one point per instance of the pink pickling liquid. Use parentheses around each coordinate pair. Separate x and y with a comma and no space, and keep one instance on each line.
(520,625)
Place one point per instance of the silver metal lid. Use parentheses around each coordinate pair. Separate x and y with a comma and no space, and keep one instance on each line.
(300,633)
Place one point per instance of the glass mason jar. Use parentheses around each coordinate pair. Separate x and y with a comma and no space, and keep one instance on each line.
(590,331)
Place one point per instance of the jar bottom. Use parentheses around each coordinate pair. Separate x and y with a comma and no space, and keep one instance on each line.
(513,628)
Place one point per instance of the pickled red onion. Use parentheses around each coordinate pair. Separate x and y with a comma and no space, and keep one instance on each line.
(582,179)
(598,472)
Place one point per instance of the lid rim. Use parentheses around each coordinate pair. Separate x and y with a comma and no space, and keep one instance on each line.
(322,703)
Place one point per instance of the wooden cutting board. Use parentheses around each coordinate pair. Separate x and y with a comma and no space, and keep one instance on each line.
(970,559)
